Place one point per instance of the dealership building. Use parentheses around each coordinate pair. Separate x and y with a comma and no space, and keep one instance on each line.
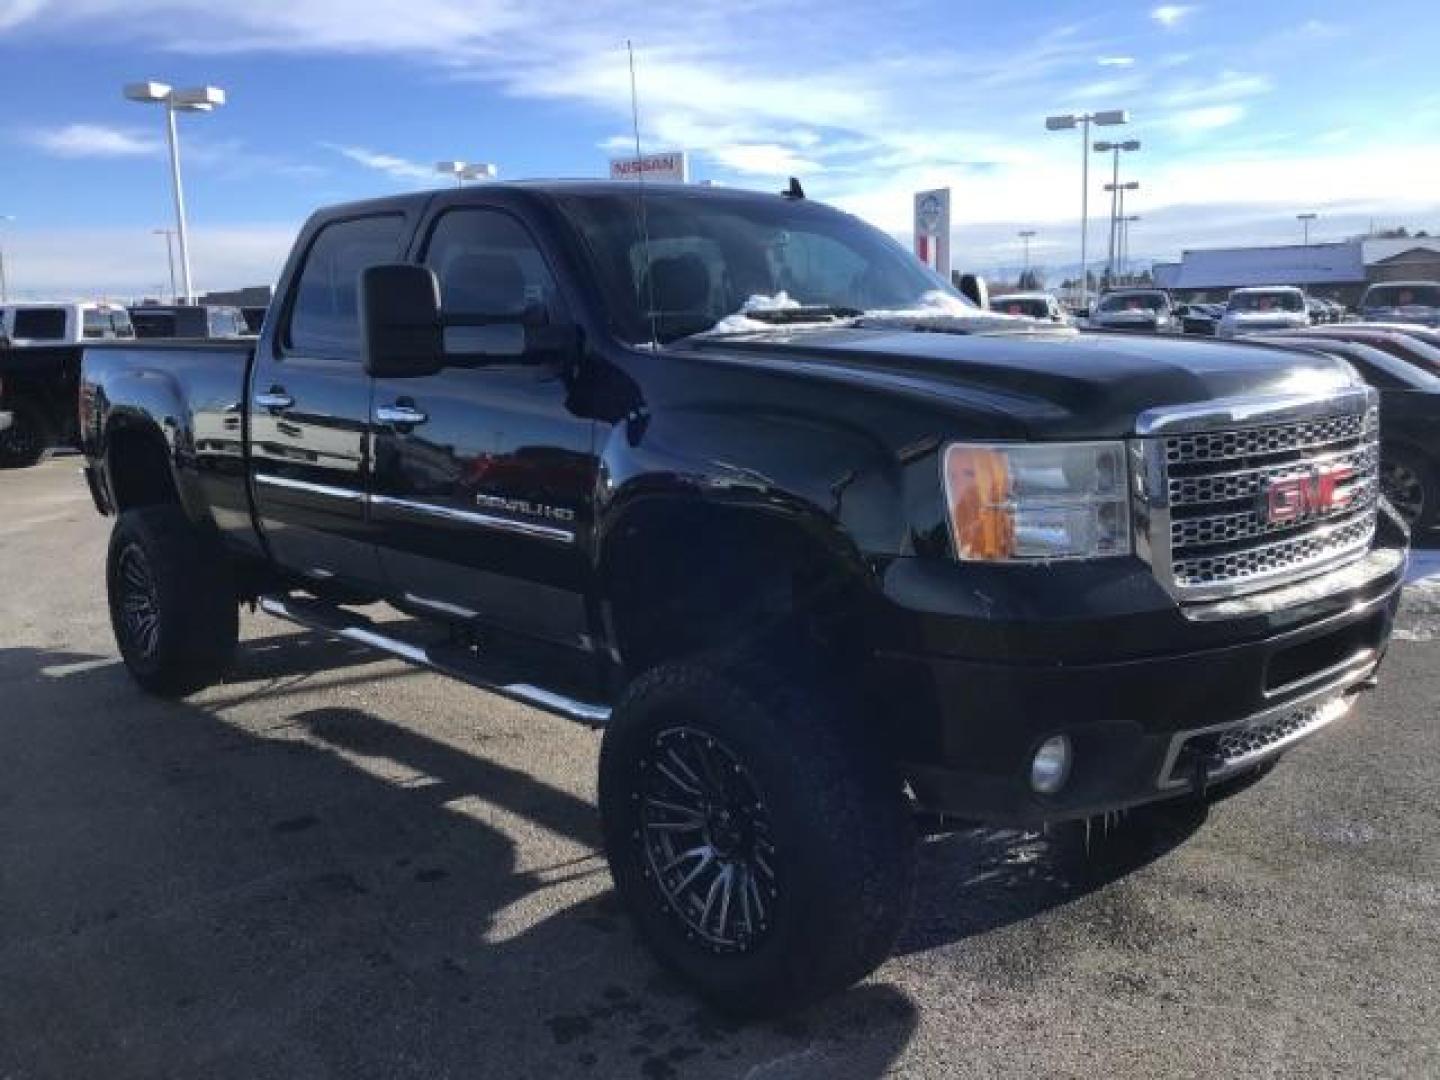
(1335,271)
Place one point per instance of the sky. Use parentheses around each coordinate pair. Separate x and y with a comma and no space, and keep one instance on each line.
(1248,113)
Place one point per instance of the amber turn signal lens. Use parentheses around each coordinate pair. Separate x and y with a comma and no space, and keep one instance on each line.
(977,484)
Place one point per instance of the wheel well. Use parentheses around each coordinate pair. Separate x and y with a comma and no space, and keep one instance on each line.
(140,470)
(685,579)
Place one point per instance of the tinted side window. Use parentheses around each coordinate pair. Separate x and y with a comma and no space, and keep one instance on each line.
(40,324)
(325,320)
(488,265)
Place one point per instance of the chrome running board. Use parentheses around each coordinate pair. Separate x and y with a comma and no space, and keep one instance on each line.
(448,661)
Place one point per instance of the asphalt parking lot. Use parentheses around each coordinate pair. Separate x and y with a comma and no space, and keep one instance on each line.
(333,866)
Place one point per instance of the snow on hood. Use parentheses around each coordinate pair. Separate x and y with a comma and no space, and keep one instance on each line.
(933,306)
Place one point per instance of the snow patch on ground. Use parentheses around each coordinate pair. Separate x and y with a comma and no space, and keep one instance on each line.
(1420,608)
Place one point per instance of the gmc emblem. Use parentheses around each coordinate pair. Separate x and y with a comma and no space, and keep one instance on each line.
(1293,498)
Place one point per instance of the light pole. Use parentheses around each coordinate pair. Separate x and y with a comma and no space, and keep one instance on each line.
(1105,118)
(196,99)
(1115,148)
(466,170)
(4,287)
(1118,193)
(169,257)
(1125,240)
(1305,220)
(1026,235)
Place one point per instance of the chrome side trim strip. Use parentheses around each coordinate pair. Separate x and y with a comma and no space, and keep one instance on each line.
(473,517)
(347,494)
(441,606)
(1343,397)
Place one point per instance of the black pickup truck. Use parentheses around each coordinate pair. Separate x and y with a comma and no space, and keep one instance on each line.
(821,546)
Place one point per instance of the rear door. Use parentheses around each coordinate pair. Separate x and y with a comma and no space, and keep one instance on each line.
(310,409)
(484,473)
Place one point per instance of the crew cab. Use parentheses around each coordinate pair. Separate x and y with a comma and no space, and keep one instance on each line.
(822,547)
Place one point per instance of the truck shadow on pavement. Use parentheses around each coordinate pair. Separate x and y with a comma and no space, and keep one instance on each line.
(338,894)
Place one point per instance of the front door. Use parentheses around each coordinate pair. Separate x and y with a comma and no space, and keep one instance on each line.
(484,473)
(310,411)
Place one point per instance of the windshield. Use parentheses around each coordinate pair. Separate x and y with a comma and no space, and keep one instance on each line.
(714,255)
(1403,296)
(1148,301)
(1030,306)
(1267,301)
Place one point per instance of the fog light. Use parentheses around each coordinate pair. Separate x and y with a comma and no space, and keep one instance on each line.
(1051,767)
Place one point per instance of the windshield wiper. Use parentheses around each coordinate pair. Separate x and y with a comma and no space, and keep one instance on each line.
(807,314)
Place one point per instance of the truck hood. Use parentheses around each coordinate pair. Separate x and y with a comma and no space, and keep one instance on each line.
(1036,384)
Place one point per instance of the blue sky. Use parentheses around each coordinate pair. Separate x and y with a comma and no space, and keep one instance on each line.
(1249,113)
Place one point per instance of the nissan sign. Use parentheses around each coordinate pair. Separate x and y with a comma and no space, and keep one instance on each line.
(671,166)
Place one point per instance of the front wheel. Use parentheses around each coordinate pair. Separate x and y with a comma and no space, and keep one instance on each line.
(764,854)
(172,604)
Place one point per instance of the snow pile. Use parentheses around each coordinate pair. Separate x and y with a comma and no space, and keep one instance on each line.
(933,307)
(739,324)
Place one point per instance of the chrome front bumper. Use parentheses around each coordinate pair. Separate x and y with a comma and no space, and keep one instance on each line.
(1214,754)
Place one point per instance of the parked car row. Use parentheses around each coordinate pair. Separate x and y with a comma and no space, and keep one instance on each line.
(40,346)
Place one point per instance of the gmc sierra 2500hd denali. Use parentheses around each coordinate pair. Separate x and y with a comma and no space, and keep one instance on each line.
(816,542)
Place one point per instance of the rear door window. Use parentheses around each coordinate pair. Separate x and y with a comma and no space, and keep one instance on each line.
(325,316)
(40,324)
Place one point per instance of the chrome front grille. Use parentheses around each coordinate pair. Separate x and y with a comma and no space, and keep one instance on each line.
(1205,505)
(1208,446)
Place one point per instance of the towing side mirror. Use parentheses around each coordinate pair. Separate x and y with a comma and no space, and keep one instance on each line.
(973,286)
(400,329)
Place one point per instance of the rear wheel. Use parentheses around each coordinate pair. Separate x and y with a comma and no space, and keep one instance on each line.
(172,603)
(764,854)
(1409,482)
(29,439)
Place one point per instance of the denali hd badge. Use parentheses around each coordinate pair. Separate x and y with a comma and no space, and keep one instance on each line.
(525,506)
(1293,498)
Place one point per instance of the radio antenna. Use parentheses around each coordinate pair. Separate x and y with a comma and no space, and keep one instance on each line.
(640,200)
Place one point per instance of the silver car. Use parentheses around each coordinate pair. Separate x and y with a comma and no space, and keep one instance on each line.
(1269,307)
(1146,310)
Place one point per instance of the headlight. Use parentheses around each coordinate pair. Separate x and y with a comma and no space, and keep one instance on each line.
(1040,501)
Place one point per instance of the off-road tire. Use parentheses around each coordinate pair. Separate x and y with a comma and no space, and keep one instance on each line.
(843,838)
(29,439)
(163,566)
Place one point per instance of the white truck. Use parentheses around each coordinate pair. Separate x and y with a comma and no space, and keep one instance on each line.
(63,322)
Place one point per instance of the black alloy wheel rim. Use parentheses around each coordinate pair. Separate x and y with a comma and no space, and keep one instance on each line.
(706,840)
(139,602)
(1405,490)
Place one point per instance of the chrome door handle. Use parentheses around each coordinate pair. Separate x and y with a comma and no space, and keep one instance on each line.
(400,415)
(274,400)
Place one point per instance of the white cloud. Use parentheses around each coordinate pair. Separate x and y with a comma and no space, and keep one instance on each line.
(1207,118)
(129,263)
(398,168)
(1116,61)
(1171,15)
(764,159)
(94,140)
